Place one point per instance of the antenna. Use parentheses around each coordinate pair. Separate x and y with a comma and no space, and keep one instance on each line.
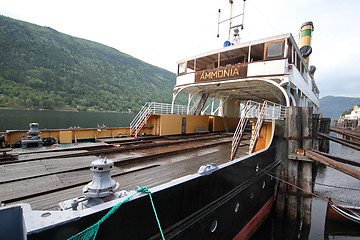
(236,27)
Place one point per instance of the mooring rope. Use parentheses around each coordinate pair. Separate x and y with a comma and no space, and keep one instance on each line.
(313,194)
(322,184)
(91,232)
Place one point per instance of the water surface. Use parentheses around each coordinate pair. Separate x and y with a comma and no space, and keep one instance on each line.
(20,119)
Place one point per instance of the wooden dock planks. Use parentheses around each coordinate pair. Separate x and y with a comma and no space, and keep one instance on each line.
(149,178)
(171,162)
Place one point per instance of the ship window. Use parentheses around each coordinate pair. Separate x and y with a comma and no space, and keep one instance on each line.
(237,207)
(275,49)
(213,226)
(182,68)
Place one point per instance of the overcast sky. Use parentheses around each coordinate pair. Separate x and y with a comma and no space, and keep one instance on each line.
(162,32)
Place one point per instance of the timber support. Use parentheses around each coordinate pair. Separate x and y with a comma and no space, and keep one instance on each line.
(297,169)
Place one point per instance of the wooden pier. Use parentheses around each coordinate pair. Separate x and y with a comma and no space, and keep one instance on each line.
(308,142)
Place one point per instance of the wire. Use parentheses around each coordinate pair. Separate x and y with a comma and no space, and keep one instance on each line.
(257,9)
(313,194)
(322,184)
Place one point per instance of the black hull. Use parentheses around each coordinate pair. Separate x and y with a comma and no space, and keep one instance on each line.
(189,208)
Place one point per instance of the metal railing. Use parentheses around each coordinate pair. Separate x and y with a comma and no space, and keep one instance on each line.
(273,110)
(148,110)
(261,111)
(258,126)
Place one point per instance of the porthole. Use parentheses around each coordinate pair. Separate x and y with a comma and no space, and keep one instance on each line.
(214,226)
(263,186)
(237,207)
(251,195)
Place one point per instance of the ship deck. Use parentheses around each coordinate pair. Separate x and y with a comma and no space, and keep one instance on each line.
(45,178)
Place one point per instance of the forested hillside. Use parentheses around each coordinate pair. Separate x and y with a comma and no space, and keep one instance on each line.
(42,68)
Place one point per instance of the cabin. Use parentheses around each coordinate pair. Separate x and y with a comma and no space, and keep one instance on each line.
(271,69)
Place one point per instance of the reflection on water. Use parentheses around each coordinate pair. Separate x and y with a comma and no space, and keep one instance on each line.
(347,192)
(20,119)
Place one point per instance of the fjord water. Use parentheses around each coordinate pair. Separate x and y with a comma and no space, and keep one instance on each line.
(19,119)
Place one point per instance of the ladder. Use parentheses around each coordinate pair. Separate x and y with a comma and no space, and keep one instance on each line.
(256,132)
(239,132)
(141,119)
(149,109)
(259,111)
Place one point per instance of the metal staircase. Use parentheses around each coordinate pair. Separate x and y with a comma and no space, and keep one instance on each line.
(140,120)
(254,110)
(256,132)
(238,134)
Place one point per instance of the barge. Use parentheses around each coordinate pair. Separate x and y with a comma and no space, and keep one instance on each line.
(203,165)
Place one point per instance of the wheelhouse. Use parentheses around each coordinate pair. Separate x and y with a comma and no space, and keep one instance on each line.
(270,69)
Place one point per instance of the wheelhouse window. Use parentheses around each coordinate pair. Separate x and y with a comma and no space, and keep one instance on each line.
(274,49)
(182,68)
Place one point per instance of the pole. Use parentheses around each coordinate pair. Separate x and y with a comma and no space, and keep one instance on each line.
(331,163)
(294,131)
(306,167)
(231,8)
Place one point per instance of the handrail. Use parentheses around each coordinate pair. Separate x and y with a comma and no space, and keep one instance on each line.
(261,111)
(149,109)
(257,128)
(238,134)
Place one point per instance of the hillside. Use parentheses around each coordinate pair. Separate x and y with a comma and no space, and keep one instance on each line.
(332,107)
(42,68)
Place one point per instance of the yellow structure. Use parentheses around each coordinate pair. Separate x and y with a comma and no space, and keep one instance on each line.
(264,136)
(158,124)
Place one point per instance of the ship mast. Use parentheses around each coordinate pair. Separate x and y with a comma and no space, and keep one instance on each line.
(236,27)
(231,9)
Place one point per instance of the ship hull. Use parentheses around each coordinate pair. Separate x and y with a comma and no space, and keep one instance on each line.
(229,203)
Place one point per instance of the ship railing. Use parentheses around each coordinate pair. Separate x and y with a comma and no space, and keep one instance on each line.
(256,132)
(267,110)
(151,108)
(273,110)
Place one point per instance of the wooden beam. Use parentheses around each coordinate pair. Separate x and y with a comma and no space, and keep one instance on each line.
(338,140)
(333,164)
(339,159)
(346,132)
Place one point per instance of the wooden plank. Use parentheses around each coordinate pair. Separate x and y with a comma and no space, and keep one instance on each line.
(63,164)
(15,171)
(338,140)
(347,132)
(305,173)
(293,122)
(149,178)
(27,187)
(334,164)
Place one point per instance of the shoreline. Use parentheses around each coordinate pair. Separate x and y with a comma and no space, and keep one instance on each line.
(62,110)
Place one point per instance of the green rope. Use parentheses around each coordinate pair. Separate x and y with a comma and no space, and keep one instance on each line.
(90,232)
